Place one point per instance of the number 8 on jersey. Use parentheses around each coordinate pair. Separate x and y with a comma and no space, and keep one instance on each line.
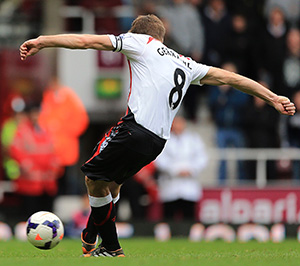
(179,80)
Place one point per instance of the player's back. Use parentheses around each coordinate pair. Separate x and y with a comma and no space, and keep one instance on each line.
(159,79)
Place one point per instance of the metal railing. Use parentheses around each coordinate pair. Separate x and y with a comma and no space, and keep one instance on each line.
(261,156)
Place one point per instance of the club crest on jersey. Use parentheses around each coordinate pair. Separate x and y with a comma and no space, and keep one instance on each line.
(124,36)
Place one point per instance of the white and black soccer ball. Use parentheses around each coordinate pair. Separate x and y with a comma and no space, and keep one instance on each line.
(44,230)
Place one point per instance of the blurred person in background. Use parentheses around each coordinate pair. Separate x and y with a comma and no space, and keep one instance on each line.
(227,107)
(239,46)
(271,48)
(159,80)
(261,131)
(179,167)
(291,64)
(183,17)
(8,132)
(33,149)
(65,118)
(291,9)
(252,8)
(290,135)
(217,28)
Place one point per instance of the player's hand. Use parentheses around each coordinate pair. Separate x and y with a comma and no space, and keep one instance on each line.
(284,106)
(29,48)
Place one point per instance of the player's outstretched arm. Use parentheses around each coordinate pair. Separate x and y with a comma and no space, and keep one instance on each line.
(71,41)
(216,76)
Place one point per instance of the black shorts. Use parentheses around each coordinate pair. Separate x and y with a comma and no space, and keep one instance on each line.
(122,152)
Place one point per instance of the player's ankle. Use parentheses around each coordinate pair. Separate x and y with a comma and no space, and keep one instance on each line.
(88,238)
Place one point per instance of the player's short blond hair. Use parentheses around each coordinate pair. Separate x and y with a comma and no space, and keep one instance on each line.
(150,25)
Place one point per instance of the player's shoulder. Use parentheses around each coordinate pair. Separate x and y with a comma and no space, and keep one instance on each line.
(137,37)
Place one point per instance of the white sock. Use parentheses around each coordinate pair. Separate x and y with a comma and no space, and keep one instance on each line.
(115,200)
(100,201)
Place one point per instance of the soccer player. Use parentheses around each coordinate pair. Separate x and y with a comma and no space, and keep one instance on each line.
(159,78)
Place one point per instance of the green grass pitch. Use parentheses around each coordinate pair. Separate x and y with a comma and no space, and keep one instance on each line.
(147,251)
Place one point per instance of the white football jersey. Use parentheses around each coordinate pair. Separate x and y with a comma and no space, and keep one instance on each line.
(159,79)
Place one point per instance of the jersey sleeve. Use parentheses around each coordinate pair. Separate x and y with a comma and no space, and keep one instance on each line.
(129,44)
(199,72)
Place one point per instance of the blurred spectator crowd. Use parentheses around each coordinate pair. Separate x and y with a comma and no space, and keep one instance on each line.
(256,38)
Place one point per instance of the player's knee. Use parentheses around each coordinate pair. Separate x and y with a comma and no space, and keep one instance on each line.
(97,188)
(114,189)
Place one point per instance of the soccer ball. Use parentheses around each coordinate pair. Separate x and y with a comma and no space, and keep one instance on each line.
(44,230)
